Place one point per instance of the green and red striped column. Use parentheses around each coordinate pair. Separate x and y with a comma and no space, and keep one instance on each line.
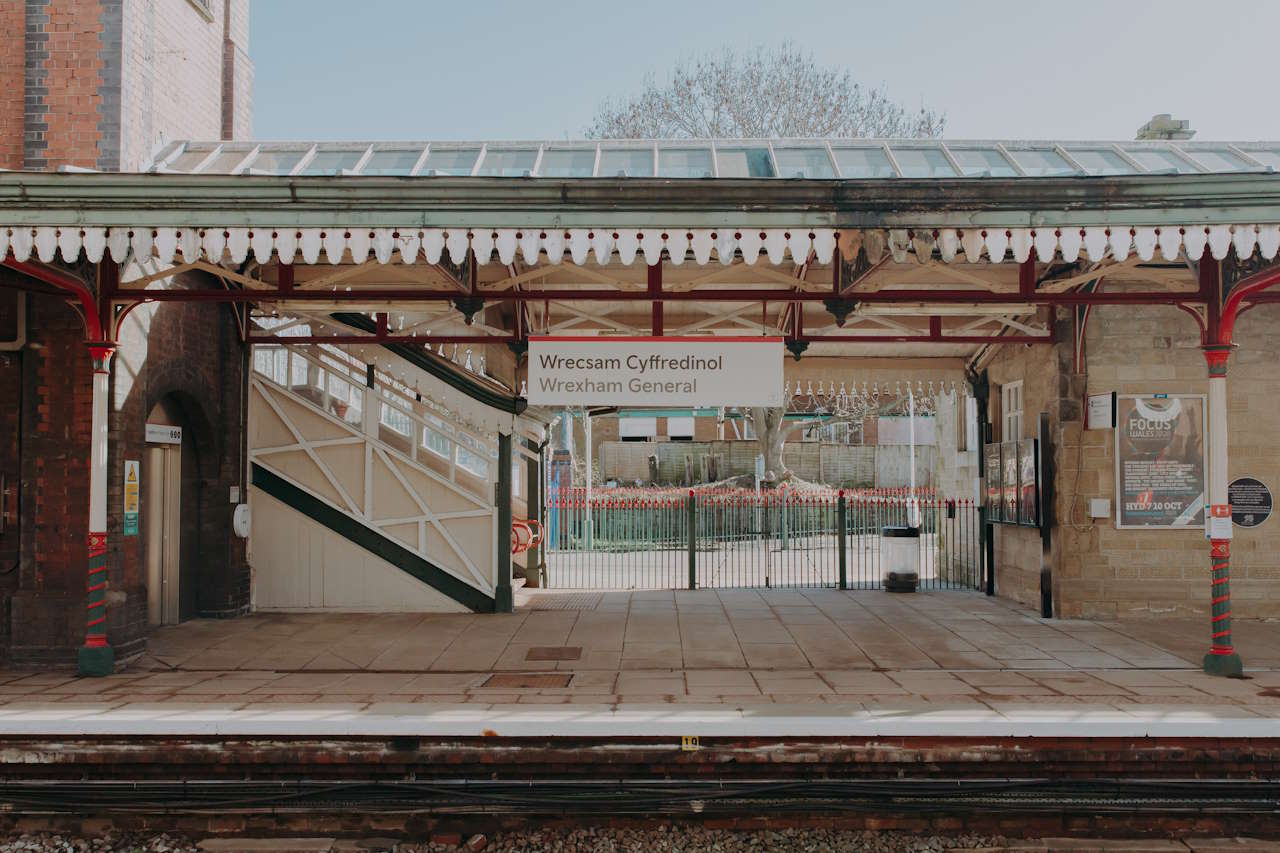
(1222,658)
(96,657)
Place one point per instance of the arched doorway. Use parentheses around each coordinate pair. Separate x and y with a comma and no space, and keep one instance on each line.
(171,513)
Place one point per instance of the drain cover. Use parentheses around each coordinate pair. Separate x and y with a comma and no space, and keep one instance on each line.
(554,653)
(527,680)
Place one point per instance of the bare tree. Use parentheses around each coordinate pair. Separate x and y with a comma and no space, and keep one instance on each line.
(765,93)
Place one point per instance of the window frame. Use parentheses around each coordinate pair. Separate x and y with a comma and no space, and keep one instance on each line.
(1009,415)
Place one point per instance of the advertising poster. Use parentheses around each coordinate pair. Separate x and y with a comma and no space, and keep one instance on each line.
(1009,455)
(1160,461)
(994,472)
(1028,482)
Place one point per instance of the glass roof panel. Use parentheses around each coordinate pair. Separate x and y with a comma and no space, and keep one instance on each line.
(567,163)
(1039,162)
(983,162)
(225,162)
(744,162)
(1160,160)
(923,163)
(392,161)
(863,162)
(685,163)
(508,162)
(1100,161)
(803,163)
(1269,157)
(451,161)
(276,162)
(1219,160)
(333,162)
(190,158)
(626,163)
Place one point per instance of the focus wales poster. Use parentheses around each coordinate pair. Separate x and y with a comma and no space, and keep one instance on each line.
(1160,468)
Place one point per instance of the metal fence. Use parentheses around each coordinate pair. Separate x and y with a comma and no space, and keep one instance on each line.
(692,539)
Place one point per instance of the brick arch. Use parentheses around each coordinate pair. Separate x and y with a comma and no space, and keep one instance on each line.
(181,385)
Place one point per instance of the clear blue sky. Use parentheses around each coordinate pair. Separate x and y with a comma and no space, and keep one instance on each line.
(421,69)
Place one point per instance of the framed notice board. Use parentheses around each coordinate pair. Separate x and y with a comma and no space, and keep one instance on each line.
(1009,493)
(1029,482)
(994,472)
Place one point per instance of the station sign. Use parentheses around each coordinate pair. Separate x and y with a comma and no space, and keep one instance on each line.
(643,371)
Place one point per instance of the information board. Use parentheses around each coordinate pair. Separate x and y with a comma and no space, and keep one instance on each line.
(993,470)
(1160,461)
(1009,498)
(1029,482)
(1250,501)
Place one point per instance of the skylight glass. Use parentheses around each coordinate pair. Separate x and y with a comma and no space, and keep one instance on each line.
(1157,160)
(276,162)
(225,162)
(685,163)
(1041,162)
(863,162)
(392,161)
(923,163)
(1219,160)
(508,162)
(190,158)
(626,162)
(803,163)
(987,162)
(333,162)
(1267,158)
(744,162)
(567,163)
(1100,161)
(451,161)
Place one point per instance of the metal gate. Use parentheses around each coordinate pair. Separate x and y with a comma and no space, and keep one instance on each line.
(693,539)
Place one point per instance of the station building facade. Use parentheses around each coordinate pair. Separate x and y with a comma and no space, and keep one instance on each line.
(338,334)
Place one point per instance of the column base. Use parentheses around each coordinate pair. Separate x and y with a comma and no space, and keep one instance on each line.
(1227,666)
(504,599)
(96,661)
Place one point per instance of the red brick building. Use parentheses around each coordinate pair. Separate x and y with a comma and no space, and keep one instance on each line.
(98,85)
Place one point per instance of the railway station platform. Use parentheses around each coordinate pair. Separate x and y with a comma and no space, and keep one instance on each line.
(759,663)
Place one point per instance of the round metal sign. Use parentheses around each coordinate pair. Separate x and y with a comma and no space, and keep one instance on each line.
(1250,501)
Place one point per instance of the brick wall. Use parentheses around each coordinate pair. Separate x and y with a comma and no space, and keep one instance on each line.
(173,74)
(13,20)
(1099,571)
(1048,386)
(154,368)
(97,84)
(1139,572)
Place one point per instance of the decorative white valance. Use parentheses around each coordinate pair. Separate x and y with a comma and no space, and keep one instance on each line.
(603,245)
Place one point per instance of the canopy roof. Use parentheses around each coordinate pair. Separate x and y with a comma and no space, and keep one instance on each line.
(817,159)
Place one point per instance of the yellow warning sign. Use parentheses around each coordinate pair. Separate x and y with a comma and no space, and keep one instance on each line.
(131,497)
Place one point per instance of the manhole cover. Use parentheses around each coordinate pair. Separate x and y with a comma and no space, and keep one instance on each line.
(527,680)
(565,601)
(554,653)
